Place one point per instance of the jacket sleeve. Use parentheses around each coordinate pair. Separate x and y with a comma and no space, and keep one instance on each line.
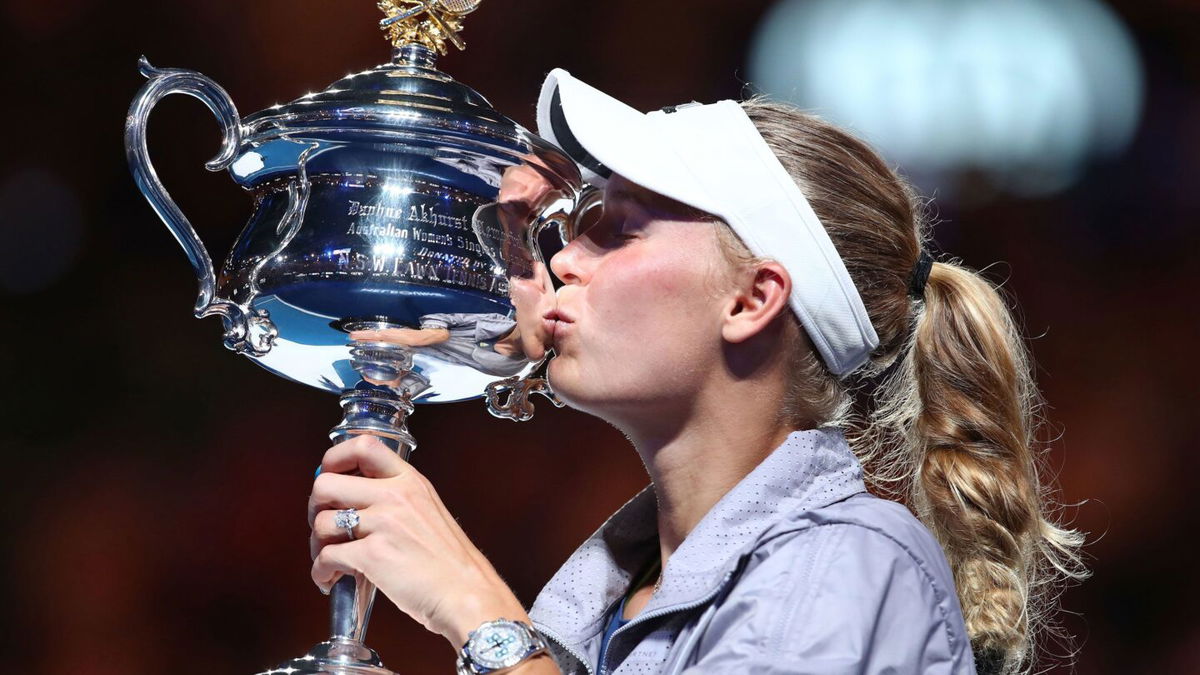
(837,599)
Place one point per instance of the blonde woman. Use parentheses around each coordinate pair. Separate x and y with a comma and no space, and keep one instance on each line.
(755,309)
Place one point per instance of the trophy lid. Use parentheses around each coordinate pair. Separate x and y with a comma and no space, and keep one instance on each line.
(409,94)
(402,100)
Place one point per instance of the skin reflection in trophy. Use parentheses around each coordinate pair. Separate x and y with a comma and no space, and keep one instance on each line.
(531,201)
(489,343)
(494,343)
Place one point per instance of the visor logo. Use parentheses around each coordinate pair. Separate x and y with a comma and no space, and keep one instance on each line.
(682,106)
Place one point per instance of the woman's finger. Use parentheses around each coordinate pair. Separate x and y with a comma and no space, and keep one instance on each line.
(333,491)
(325,531)
(365,454)
(334,561)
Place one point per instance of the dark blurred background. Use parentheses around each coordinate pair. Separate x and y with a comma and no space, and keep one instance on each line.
(152,514)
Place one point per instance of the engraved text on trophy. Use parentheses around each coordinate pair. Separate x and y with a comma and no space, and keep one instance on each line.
(370,228)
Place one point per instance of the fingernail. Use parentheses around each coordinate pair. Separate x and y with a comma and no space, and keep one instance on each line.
(318,473)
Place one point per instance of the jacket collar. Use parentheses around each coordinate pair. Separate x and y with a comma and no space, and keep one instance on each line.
(810,469)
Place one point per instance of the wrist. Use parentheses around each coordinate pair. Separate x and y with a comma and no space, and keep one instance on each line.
(474,609)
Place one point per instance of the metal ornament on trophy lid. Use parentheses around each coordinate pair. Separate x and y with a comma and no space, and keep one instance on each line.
(385,250)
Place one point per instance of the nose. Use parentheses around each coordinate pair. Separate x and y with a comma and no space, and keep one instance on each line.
(566,264)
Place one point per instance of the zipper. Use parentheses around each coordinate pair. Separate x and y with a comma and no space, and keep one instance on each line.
(663,611)
(553,637)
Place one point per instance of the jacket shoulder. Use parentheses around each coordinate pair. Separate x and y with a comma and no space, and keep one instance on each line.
(862,530)
(861,581)
(870,516)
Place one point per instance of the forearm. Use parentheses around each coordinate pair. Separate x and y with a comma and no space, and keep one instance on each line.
(426,337)
(409,337)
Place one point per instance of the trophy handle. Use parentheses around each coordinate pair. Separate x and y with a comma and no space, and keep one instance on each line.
(246,330)
(518,407)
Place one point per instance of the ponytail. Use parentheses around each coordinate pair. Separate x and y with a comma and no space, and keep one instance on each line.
(973,449)
(945,414)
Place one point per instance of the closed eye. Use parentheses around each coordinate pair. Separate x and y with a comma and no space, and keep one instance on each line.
(608,228)
(610,222)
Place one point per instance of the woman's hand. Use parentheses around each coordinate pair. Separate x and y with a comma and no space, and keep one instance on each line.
(406,542)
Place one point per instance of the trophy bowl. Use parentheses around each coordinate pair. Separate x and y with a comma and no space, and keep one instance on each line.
(380,258)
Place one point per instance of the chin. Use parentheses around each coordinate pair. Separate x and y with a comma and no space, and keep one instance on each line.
(572,389)
(603,399)
(562,381)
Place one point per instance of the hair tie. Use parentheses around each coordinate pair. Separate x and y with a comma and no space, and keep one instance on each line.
(920,274)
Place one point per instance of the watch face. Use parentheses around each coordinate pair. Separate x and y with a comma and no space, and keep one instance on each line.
(498,644)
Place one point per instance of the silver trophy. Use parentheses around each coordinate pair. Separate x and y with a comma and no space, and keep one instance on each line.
(395,213)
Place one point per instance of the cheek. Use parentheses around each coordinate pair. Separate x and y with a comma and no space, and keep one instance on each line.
(649,328)
(528,296)
(659,299)
(532,299)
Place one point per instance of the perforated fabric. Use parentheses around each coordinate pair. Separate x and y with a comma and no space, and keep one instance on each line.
(795,570)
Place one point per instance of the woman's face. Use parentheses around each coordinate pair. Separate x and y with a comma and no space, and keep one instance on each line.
(639,310)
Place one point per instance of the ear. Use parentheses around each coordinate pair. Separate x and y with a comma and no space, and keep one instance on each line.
(761,295)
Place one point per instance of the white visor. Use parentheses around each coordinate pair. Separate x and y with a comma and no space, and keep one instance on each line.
(711,157)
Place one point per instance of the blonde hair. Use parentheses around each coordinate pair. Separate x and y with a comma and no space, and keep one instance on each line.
(945,413)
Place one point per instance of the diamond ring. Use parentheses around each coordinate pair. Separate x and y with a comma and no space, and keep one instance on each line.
(347,519)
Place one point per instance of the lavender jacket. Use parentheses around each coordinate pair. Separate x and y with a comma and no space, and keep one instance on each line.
(796,570)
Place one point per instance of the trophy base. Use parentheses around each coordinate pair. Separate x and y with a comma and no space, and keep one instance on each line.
(334,657)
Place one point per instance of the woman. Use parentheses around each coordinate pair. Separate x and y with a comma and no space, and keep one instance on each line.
(755,311)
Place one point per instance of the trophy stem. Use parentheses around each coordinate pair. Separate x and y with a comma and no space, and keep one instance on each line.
(378,412)
(350,602)
(381,410)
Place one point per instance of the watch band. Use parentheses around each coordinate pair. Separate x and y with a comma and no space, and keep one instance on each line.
(468,662)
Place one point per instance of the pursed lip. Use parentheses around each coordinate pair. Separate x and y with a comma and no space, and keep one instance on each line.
(558,315)
(554,321)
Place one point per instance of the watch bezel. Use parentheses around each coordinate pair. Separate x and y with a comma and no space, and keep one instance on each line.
(475,647)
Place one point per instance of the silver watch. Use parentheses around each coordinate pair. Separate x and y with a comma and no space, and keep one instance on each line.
(497,645)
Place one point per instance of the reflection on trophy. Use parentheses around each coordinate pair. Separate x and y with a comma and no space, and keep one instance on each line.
(396,220)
